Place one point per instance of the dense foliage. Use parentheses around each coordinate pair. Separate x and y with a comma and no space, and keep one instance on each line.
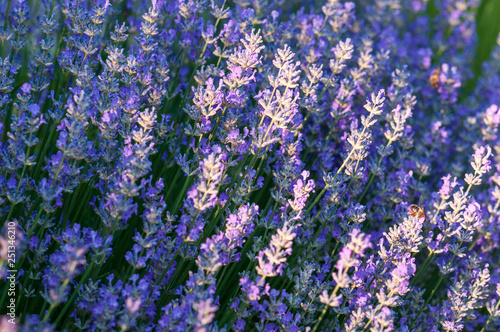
(247,165)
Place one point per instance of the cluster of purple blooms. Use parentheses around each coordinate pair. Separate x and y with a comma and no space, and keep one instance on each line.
(248,165)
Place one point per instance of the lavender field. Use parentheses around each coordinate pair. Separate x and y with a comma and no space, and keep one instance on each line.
(248,165)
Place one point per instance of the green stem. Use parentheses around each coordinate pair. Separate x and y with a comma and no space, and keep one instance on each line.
(490,317)
(70,300)
(316,200)
(379,306)
(422,270)
(7,12)
(178,201)
(436,286)
(335,290)
(372,176)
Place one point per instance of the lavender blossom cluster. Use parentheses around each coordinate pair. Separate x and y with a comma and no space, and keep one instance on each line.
(247,165)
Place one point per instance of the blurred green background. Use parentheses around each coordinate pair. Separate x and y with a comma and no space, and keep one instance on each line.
(487,27)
